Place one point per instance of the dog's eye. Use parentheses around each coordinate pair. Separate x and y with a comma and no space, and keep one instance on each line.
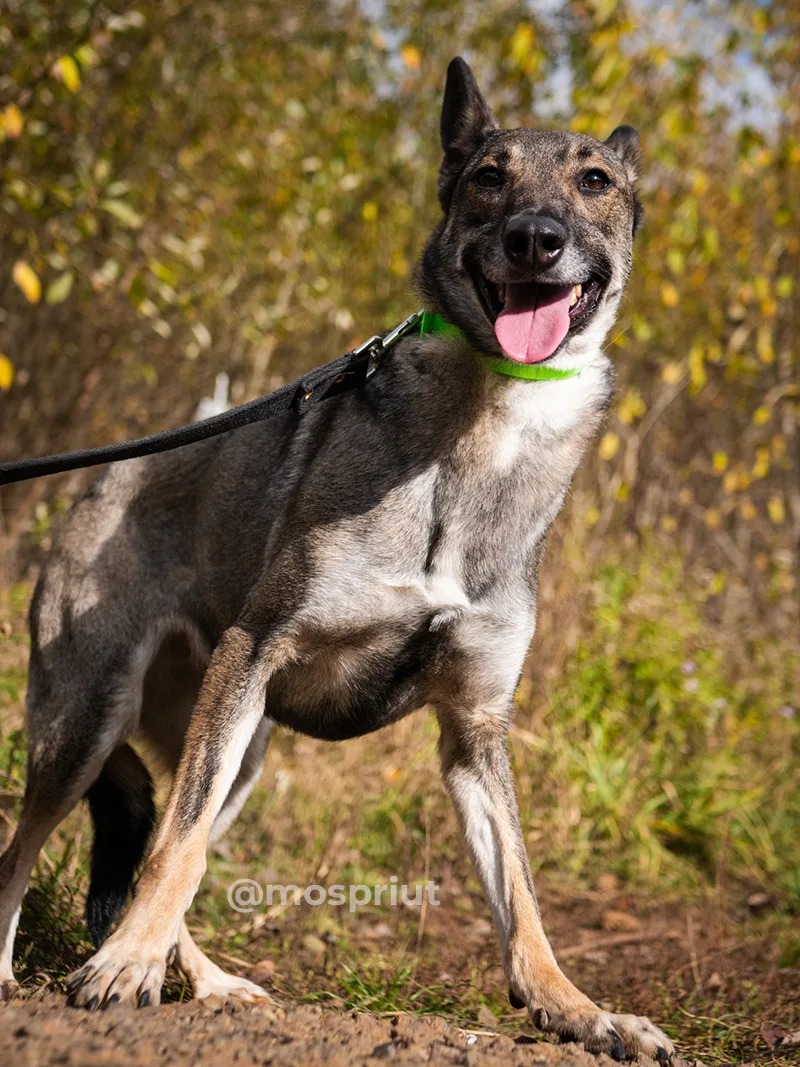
(489,177)
(595,181)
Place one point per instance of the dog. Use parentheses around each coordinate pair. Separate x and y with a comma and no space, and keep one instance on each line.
(333,573)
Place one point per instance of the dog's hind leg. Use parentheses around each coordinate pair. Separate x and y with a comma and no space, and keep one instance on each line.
(122,809)
(130,966)
(478,776)
(62,766)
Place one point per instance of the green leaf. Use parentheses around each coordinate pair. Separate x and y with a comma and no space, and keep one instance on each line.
(137,291)
(123,212)
(58,290)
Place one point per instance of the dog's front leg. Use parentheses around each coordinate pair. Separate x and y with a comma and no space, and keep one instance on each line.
(130,965)
(478,776)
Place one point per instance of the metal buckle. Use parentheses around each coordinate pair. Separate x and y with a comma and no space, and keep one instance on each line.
(406,326)
(373,347)
(376,345)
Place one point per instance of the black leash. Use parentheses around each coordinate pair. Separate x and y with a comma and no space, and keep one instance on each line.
(347,372)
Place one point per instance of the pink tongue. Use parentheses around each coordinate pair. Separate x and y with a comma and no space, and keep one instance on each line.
(533,322)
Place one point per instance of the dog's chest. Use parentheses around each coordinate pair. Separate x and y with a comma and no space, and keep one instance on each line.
(438,567)
(546,424)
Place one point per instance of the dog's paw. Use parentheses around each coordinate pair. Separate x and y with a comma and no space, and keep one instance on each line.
(115,976)
(230,987)
(623,1037)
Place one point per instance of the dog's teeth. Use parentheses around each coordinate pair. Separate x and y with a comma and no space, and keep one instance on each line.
(501,292)
(577,292)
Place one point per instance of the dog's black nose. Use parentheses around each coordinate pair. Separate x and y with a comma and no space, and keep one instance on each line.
(534,240)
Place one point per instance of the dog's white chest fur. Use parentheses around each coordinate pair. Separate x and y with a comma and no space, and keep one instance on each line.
(536,413)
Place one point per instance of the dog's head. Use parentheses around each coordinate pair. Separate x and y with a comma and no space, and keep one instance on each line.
(534,250)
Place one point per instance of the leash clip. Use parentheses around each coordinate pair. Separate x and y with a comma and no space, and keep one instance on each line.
(378,345)
(373,350)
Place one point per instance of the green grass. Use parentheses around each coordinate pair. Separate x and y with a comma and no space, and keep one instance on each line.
(52,940)
(670,760)
(370,987)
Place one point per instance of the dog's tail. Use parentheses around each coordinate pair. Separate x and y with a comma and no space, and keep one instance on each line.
(123,813)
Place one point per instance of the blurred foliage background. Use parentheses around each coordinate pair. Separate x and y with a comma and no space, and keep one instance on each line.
(189,186)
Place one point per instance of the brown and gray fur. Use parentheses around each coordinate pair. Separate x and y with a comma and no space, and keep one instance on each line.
(333,573)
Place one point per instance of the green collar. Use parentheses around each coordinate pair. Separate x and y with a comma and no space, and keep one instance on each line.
(531,372)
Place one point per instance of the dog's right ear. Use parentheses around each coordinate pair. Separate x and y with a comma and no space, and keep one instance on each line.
(466,119)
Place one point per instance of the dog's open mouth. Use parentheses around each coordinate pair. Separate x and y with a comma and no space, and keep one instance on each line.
(532,319)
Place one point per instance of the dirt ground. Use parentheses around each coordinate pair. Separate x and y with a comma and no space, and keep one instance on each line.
(214,1033)
(714,978)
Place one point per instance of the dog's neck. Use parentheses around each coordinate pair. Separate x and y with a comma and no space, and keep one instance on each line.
(434,323)
(545,411)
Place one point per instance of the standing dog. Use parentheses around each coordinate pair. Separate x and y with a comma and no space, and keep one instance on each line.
(334,573)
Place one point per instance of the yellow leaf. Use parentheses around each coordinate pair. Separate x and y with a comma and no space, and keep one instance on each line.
(766,353)
(760,416)
(761,465)
(521,43)
(28,281)
(398,264)
(775,510)
(623,493)
(711,242)
(592,516)
(759,20)
(700,183)
(411,56)
(697,367)
(6,373)
(671,372)
(369,212)
(66,70)
(632,406)
(609,446)
(720,461)
(12,121)
(610,64)
(747,510)
(716,584)
(670,297)
(730,482)
(676,261)
(669,523)
(642,330)
(784,285)
(712,518)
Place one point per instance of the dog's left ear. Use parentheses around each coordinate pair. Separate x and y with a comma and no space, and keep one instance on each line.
(466,119)
(624,143)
